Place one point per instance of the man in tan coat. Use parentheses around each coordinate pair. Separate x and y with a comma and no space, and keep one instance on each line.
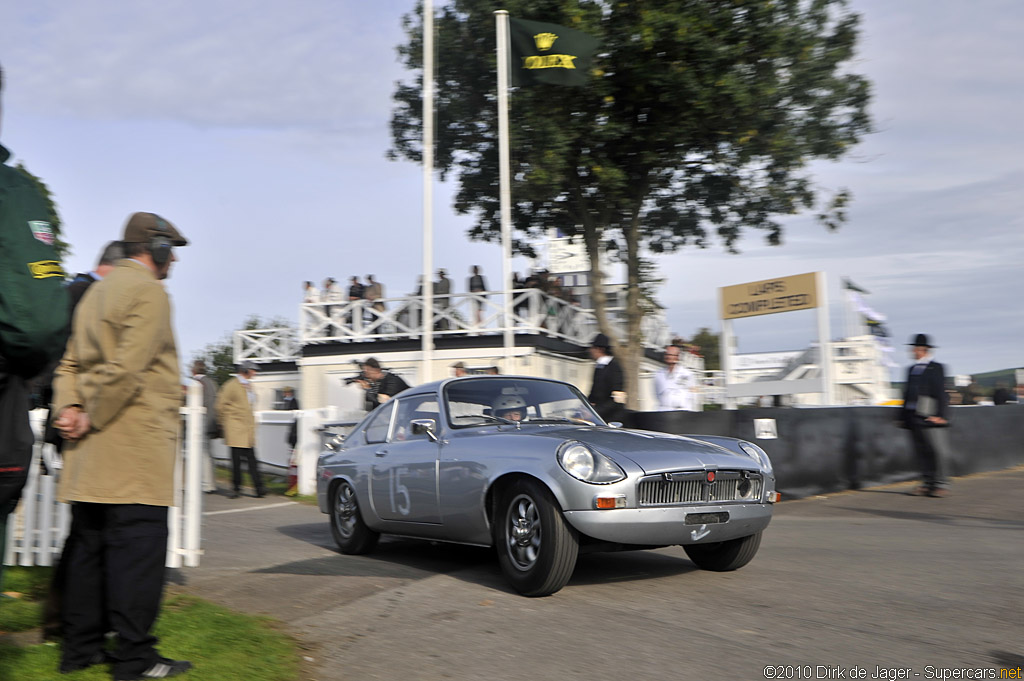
(234,413)
(116,395)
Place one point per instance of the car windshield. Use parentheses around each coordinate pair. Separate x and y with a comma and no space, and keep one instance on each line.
(510,400)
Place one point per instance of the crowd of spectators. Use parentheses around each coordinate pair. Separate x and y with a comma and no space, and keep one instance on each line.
(546,311)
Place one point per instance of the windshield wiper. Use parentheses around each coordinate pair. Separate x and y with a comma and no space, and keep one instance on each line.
(488,417)
(560,419)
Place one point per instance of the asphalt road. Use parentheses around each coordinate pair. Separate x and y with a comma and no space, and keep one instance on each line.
(873,580)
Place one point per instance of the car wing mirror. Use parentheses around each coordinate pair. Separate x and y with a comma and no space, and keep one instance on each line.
(615,424)
(425,427)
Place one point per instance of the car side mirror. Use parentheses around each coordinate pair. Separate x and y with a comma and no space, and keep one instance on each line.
(424,427)
(615,424)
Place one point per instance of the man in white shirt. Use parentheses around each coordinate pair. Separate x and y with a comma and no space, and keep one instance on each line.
(675,385)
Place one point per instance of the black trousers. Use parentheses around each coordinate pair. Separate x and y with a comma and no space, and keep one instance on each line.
(115,580)
(930,445)
(249,454)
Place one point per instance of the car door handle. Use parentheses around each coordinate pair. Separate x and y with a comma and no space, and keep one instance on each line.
(380,452)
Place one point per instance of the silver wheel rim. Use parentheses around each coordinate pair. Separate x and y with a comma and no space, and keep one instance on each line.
(523,532)
(345,510)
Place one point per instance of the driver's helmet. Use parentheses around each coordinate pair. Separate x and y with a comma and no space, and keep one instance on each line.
(507,403)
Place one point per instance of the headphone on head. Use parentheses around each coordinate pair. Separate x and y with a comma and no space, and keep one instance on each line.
(160,245)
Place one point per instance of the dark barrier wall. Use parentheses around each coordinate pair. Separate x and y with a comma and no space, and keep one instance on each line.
(829,449)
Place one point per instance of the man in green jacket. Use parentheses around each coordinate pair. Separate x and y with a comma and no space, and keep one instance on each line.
(33,322)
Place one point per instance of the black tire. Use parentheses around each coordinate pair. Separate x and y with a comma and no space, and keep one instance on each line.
(537,548)
(350,532)
(726,555)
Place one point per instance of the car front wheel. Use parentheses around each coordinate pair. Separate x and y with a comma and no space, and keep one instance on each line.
(350,532)
(537,548)
(726,555)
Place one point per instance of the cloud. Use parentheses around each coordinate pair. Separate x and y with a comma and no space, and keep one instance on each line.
(273,64)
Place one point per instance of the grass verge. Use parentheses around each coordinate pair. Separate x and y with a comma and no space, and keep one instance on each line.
(221,644)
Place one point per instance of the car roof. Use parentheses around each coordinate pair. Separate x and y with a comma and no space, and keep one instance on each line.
(435,386)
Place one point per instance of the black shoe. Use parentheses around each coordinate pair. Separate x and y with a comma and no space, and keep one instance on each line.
(161,669)
(99,657)
(234,495)
(260,495)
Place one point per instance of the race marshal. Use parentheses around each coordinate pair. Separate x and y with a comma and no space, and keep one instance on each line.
(785,294)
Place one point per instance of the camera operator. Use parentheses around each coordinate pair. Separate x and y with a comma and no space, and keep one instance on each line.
(380,385)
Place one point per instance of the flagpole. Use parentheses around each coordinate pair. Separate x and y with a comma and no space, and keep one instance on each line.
(504,183)
(427,315)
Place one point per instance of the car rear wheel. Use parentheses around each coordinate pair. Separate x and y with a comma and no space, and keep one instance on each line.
(726,555)
(537,548)
(350,532)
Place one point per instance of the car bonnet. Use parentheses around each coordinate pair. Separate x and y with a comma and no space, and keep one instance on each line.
(655,452)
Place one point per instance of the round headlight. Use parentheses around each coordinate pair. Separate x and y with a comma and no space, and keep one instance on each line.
(757,454)
(584,464)
(578,461)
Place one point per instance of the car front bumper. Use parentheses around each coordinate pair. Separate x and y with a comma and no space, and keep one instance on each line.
(670,525)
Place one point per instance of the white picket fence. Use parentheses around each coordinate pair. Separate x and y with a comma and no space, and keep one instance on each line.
(36,530)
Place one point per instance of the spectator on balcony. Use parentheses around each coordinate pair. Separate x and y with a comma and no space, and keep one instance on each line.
(356,292)
(442,290)
(332,294)
(477,284)
(375,295)
(310,293)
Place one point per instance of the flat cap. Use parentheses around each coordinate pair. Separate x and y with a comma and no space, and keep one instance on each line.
(459,365)
(141,228)
(247,366)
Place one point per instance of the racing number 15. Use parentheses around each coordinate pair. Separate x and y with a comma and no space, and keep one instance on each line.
(399,493)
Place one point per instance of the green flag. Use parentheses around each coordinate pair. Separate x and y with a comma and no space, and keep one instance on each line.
(549,53)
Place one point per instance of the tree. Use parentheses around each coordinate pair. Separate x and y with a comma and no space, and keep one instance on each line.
(701,116)
(220,356)
(708,344)
(62,247)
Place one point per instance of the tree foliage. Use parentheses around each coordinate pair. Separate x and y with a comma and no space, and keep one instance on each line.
(699,122)
(709,345)
(220,356)
(62,247)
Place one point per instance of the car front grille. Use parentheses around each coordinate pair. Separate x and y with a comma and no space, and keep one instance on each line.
(692,487)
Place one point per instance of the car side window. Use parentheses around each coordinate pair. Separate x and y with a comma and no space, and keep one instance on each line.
(409,409)
(377,429)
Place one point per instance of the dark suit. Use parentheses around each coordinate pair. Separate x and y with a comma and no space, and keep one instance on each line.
(607,379)
(292,404)
(924,395)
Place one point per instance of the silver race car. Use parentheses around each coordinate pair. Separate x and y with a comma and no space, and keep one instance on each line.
(527,466)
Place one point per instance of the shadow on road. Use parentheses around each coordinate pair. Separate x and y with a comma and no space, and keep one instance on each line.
(938,518)
(414,559)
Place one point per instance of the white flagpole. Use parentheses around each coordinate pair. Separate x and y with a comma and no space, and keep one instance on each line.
(505,183)
(427,316)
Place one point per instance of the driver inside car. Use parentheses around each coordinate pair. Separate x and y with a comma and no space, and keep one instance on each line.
(510,407)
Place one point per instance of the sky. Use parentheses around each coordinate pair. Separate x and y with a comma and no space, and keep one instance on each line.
(260,130)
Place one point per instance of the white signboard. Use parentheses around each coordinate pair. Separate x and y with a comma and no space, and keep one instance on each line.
(765,429)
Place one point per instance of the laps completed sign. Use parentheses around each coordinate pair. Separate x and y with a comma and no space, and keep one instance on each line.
(786,294)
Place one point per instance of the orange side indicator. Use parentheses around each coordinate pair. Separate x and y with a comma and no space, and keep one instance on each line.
(617,501)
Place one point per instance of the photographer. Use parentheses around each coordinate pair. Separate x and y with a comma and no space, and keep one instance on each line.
(380,385)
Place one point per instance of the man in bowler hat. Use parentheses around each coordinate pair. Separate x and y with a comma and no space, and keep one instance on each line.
(924,414)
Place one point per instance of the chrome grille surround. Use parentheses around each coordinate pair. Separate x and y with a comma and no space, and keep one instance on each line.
(691,487)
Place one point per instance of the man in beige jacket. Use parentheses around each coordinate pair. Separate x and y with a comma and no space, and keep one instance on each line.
(116,395)
(234,413)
